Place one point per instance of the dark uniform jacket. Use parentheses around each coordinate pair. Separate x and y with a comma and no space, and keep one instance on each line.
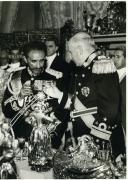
(10,104)
(97,86)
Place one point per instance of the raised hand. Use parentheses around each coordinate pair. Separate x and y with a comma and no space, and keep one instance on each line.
(52,91)
(25,90)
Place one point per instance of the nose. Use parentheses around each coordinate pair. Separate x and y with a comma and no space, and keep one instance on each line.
(38,65)
(48,50)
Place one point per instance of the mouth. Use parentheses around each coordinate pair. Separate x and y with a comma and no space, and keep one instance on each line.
(37,71)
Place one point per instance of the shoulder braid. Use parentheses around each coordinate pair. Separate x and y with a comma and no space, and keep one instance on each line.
(103,66)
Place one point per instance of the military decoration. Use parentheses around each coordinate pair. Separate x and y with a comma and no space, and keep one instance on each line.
(85,91)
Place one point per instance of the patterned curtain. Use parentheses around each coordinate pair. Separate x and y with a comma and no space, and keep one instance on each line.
(8,16)
(55,13)
(0,10)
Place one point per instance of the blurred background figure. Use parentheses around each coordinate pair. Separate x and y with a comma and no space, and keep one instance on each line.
(4,74)
(3,59)
(120,63)
(15,57)
(52,46)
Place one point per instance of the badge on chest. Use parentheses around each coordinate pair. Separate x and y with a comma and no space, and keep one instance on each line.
(85,91)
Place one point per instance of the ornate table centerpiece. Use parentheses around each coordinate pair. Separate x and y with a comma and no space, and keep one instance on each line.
(85,162)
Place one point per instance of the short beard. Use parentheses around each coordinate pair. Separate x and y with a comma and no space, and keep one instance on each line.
(37,72)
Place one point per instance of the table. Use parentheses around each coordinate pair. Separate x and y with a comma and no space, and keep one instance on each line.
(25,171)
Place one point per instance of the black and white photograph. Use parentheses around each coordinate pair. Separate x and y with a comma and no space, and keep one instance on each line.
(63,90)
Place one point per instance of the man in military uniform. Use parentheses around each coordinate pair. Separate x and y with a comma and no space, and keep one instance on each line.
(22,88)
(96,97)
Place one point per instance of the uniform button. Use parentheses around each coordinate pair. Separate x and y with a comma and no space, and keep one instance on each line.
(97,140)
(76,92)
(79,84)
(96,123)
(32,79)
(105,119)
(89,67)
(83,75)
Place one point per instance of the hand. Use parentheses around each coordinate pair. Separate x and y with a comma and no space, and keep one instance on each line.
(59,75)
(25,90)
(37,85)
(41,95)
(52,91)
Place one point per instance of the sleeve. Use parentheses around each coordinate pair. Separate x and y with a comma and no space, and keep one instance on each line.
(11,104)
(62,111)
(69,89)
(108,103)
(108,96)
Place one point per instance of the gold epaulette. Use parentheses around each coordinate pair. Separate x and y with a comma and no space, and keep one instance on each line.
(103,66)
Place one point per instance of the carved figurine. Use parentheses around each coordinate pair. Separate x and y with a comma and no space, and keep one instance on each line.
(40,152)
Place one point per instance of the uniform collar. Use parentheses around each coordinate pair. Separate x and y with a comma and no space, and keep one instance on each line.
(90,58)
(30,72)
(121,73)
(51,57)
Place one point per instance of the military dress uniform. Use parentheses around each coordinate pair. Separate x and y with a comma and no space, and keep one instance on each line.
(96,86)
(11,105)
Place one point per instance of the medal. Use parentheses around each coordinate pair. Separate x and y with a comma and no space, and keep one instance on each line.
(85,91)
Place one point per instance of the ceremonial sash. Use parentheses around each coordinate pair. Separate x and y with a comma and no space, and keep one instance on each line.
(87,118)
(75,114)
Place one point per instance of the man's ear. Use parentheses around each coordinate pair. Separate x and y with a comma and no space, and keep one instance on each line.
(79,50)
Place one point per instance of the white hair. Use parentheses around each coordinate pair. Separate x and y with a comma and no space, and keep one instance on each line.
(82,39)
